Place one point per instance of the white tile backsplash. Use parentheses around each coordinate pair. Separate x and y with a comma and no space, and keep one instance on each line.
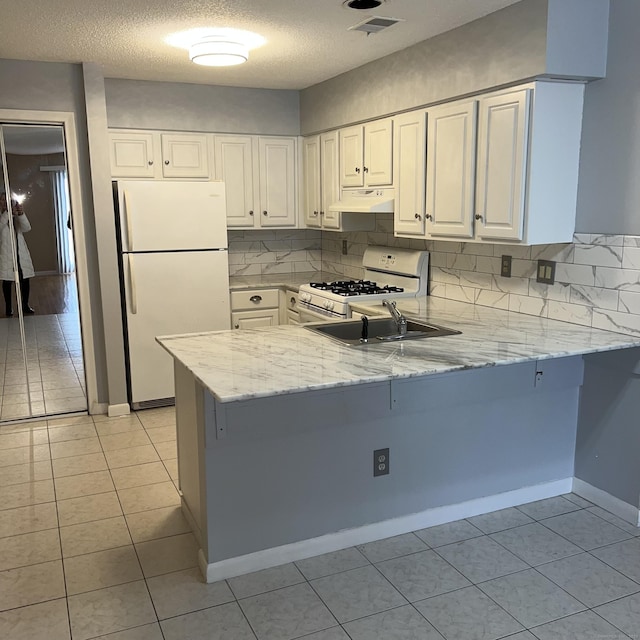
(597,276)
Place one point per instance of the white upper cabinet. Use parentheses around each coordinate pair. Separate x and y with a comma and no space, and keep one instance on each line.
(366,154)
(527,163)
(378,153)
(508,174)
(322,187)
(185,155)
(260,178)
(503,132)
(329,180)
(137,154)
(234,166)
(132,155)
(451,152)
(312,178)
(409,161)
(277,170)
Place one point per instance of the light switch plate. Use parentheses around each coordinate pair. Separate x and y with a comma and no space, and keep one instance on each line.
(546,272)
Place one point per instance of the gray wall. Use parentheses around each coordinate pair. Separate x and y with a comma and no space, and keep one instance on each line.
(609,186)
(502,47)
(608,441)
(192,107)
(46,86)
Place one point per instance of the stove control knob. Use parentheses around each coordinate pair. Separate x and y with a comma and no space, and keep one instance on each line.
(305,297)
(330,305)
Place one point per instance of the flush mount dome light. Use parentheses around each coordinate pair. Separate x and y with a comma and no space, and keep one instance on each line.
(363,4)
(218,51)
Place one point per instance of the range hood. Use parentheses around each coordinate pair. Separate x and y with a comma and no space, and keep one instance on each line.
(365,201)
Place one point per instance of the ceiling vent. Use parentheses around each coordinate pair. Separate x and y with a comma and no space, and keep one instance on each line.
(375,24)
(363,4)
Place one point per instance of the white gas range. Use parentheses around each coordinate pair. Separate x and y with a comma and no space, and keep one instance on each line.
(389,273)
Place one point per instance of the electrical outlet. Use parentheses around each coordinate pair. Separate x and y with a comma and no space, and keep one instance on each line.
(380,462)
(546,272)
(505,267)
(344,247)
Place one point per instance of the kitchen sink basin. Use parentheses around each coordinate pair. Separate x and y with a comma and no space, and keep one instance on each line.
(380,330)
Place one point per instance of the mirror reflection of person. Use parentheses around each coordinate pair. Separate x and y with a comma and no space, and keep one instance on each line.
(25,267)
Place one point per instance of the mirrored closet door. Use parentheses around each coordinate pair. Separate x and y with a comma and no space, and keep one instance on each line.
(41,360)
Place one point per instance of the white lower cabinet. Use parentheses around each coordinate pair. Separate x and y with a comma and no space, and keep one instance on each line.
(253,308)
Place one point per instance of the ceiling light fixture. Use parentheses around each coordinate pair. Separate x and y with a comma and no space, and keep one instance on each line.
(218,51)
(363,4)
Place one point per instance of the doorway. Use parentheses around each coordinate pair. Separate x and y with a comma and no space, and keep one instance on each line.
(41,353)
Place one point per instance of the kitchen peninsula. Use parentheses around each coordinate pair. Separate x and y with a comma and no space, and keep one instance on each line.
(277,429)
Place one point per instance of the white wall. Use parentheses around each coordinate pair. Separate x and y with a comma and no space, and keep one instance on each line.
(133,104)
(609,186)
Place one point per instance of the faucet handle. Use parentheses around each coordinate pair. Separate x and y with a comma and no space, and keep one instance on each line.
(365,329)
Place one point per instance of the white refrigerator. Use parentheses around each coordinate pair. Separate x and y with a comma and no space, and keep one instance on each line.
(174,274)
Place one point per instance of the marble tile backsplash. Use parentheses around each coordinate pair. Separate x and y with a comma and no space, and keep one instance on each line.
(256,252)
(597,280)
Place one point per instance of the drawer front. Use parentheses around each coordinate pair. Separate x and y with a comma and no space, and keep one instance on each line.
(254,299)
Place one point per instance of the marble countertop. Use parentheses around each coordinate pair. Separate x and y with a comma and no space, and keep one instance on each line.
(271,361)
(280,280)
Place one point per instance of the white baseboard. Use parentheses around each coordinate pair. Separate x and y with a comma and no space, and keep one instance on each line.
(115,410)
(614,505)
(368,533)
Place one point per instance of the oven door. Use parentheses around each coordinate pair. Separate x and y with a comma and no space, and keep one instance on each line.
(310,313)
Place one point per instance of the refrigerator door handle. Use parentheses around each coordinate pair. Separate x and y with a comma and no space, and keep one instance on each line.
(127,213)
(132,286)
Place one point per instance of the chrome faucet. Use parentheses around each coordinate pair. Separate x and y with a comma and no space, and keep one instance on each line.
(398,318)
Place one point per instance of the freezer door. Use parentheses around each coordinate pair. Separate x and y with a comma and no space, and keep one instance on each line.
(165,294)
(165,216)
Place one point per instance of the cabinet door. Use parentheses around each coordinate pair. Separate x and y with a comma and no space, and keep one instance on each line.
(277,159)
(184,156)
(409,160)
(378,153)
(253,319)
(312,201)
(503,129)
(132,155)
(451,148)
(234,166)
(330,179)
(351,155)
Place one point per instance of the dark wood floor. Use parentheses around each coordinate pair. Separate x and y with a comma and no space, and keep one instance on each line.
(52,294)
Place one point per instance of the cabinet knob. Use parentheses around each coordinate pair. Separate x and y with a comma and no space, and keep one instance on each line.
(357,169)
(322,213)
(166,162)
(418,216)
(428,217)
(255,299)
(315,213)
(366,169)
(250,213)
(236,326)
(150,162)
(265,213)
(478,216)
(293,301)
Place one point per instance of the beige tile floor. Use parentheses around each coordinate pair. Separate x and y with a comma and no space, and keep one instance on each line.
(54,376)
(93,545)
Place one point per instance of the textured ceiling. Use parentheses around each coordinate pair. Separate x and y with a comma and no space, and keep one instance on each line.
(307,40)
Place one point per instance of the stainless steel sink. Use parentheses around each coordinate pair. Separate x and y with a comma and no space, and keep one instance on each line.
(380,330)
